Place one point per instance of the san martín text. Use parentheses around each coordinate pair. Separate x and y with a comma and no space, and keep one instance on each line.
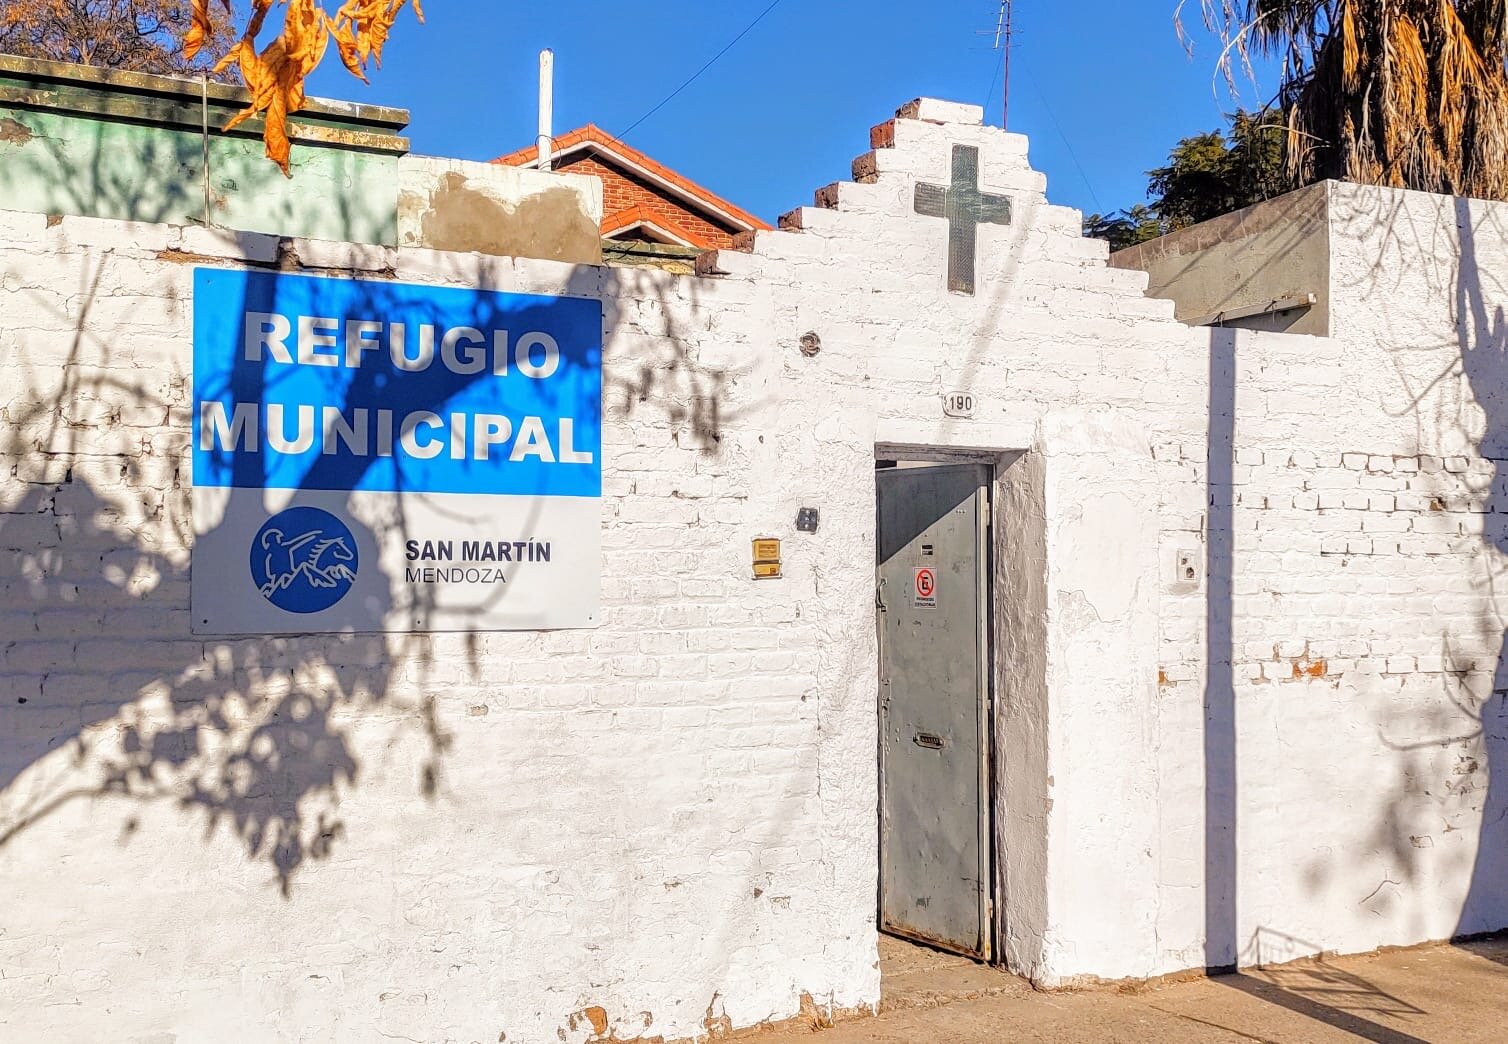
(479,561)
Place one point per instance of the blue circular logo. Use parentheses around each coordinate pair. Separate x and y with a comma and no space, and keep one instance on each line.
(304,560)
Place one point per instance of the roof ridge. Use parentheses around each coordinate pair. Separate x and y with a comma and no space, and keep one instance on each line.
(590,134)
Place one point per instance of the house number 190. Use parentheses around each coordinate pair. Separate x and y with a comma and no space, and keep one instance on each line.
(958,404)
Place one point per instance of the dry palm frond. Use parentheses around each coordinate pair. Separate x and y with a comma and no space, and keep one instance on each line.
(276,74)
(1409,93)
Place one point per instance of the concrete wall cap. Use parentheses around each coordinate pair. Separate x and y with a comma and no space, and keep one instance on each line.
(935,110)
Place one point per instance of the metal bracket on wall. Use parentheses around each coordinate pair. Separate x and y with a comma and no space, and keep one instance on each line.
(1231,315)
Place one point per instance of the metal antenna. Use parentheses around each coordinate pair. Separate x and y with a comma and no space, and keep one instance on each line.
(1005,30)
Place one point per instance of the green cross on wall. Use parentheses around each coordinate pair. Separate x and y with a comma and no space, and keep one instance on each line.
(965,208)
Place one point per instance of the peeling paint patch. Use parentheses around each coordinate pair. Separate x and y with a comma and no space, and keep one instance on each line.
(1310,669)
(185,257)
(596,1018)
(14,132)
(717,1026)
(462,216)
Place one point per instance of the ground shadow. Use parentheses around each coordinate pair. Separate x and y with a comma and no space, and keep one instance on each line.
(1319,990)
(1321,996)
(1492,947)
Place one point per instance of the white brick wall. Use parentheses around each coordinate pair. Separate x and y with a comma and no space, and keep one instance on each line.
(669,822)
(1366,629)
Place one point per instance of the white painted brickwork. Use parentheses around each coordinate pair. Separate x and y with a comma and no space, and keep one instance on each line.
(667,826)
(1366,496)
(1404,596)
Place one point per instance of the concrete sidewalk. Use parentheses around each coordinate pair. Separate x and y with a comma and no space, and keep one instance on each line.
(1436,994)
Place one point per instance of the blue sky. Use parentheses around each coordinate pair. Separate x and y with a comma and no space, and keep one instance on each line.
(1103,87)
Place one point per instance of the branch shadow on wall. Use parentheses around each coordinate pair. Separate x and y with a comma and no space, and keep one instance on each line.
(1443,740)
(1470,720)
(107,694)
(112,708)
(97,183)
(96,170)
(676,401)
(1483,333)
(1324,994)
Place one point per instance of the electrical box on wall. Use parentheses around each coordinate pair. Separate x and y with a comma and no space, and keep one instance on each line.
(1188,569)
(767,563)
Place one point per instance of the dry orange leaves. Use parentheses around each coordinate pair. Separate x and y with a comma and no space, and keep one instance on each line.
(276,74)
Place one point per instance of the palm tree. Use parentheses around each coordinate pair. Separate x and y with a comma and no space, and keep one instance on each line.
(1405,93)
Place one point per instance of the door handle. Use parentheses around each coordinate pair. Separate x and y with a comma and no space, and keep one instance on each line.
(879,595)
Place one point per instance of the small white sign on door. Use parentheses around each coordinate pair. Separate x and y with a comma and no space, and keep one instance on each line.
(924,589)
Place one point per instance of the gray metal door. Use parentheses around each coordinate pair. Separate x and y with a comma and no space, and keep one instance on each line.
(933,605)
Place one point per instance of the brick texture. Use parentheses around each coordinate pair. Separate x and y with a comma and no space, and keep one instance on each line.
(622,191)
(634,190)
(647,829)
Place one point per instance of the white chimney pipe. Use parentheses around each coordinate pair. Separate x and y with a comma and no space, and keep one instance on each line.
(546,107)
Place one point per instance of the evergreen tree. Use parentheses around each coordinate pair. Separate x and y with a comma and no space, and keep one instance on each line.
(1207,175)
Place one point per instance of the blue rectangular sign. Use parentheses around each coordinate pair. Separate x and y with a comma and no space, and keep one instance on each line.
(309,383)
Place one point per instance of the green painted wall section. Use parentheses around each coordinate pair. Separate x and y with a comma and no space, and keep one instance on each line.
(77,142)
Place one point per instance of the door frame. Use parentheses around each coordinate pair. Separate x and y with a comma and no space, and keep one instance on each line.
(991,899)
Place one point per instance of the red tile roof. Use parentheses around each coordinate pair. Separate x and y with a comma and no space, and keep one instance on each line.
(640,215)
(597,142)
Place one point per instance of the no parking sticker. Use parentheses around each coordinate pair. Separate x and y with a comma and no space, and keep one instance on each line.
(924,591)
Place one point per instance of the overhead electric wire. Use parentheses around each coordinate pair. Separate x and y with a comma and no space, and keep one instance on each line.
(989,97)
(1047,108)
(698,74)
